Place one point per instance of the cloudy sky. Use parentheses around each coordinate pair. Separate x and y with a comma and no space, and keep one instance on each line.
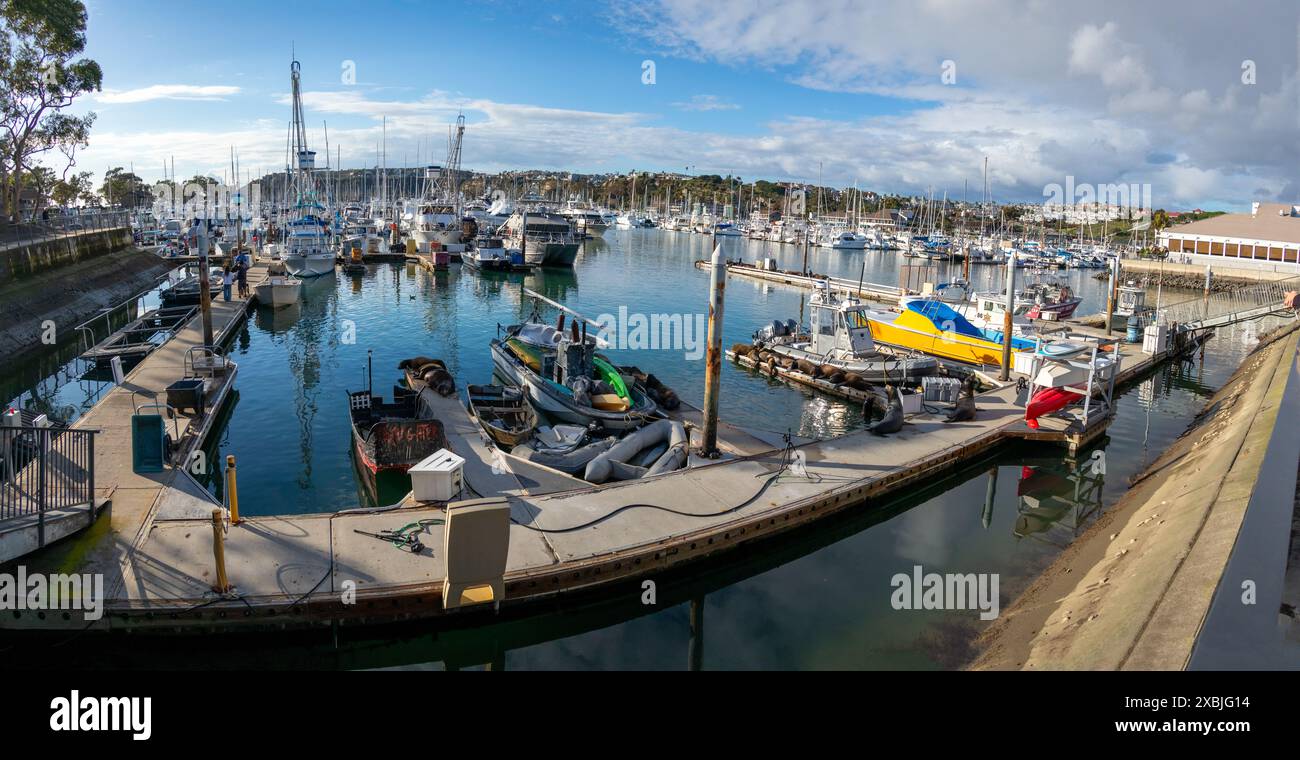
(1199,99)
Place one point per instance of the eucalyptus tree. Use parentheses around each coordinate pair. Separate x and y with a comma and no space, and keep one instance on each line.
(41,75)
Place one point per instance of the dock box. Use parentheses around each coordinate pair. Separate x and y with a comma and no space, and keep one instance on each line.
(1155,340)
(911,401)
(437,477)
(940,388)
(1025,363)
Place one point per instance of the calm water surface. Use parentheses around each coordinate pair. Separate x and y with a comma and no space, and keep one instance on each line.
(818,600)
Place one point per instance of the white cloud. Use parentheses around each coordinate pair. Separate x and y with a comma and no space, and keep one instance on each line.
(1109,92)
(168,92)
(1110,73)
(706,103)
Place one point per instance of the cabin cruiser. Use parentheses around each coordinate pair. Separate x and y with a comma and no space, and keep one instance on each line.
(491,254)
(630,219)
(361,235)
(726,229)
(586,220)
(545,238)
(840,336)
(849,241)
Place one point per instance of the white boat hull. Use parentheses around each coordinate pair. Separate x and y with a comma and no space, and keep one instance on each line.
(309,266)
(278,291)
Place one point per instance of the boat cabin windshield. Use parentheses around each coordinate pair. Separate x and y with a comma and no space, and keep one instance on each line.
(856,319)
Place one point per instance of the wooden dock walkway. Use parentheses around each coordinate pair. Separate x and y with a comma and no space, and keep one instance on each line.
(135,496)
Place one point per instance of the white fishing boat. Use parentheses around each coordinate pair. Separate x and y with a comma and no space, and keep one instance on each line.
(278,290)
(437,218)
(840,337)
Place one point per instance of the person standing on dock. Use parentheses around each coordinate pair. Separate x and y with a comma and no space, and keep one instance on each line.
(227,279)
(241,268)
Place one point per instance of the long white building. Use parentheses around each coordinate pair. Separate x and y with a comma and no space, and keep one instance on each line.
(1267,238)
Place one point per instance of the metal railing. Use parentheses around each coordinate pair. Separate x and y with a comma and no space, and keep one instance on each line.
(55,226)
(44,469)
(1227,306)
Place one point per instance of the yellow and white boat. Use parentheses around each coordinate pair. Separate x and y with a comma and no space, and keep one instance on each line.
(934,328)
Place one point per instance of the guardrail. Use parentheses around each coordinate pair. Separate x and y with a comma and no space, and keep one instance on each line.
(44,469)
(61,226)
(1217,307)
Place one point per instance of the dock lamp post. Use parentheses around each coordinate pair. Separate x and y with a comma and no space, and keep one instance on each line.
(713,353)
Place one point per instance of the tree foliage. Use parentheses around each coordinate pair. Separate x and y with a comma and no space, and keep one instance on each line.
(41,76)
(124,188)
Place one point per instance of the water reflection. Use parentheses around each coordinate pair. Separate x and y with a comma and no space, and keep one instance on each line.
(1060,496)
(818,598)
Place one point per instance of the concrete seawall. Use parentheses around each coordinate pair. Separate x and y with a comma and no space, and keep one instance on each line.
(1140,589)
(31,259)
(68,295)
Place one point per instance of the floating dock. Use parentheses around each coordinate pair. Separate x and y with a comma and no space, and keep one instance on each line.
(565,536)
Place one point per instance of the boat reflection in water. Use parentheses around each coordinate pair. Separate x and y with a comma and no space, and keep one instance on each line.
(1057,497)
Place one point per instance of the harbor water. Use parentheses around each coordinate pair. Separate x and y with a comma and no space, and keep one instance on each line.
(821,599)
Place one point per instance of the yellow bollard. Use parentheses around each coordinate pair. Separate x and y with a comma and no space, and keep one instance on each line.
(232,490)
(222,586)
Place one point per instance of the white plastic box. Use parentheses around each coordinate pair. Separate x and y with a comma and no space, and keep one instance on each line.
(911,402)
(1155,340)
(1024,362)
(438,477)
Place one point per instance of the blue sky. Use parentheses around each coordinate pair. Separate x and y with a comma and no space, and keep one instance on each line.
(753,87)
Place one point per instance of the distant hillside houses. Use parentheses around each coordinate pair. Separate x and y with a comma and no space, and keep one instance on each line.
(1083,213)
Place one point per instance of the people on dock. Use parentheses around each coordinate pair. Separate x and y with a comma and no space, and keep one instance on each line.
(227,279)
(241,269)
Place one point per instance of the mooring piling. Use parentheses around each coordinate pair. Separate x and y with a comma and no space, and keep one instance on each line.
(713,355)
(1005,374)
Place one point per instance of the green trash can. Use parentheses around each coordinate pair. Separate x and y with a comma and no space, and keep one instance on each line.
(148,440)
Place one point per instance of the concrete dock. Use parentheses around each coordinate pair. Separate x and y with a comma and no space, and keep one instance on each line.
(133,497)
(288,570)
(566,536)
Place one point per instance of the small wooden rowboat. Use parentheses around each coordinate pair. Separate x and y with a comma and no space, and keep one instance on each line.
(503,413)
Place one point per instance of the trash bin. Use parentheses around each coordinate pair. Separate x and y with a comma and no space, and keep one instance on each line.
(150,448)
(187,394)
(148,443)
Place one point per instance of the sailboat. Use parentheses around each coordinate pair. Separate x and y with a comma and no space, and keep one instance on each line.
(307,250)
